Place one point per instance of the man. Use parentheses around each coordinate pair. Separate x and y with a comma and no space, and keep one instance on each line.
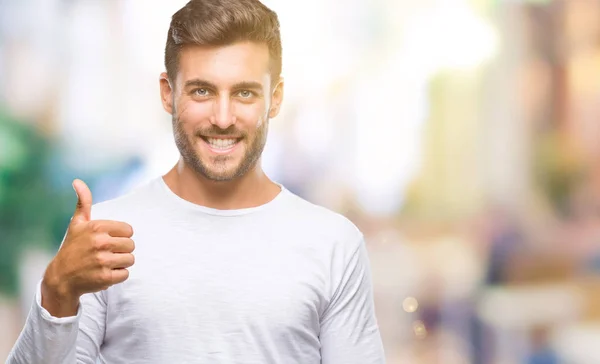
(230,267)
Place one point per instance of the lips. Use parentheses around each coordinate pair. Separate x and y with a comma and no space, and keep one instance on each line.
(221,145)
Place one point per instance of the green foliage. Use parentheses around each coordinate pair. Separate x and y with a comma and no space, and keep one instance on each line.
(32,210)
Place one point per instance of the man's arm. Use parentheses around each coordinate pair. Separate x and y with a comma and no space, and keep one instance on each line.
(67,320)
(349,330)
(66,340)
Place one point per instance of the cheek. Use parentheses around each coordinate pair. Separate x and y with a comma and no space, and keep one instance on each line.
(193,113)
(252,115)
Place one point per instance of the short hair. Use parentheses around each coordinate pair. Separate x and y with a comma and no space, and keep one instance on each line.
(223,22)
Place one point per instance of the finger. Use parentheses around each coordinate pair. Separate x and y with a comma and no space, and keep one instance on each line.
(119,275)
(121,245)
(83,210)
(113,228)
(122,260)
(120,229)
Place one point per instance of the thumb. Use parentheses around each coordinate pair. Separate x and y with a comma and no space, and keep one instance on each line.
(83,210)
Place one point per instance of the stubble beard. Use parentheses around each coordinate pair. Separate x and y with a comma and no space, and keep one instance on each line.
(216,169)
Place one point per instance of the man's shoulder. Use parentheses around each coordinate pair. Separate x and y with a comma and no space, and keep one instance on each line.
(134,201)
(321,220)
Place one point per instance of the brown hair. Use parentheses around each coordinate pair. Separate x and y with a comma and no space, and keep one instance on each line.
(223,22)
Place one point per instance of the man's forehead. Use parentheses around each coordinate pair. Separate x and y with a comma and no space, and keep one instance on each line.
(243,61)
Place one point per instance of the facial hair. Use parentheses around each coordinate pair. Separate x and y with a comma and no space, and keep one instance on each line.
(215,167)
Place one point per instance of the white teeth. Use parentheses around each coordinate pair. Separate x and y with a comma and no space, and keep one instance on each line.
(221,143)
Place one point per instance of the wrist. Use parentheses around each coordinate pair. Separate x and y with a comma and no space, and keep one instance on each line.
(56,297)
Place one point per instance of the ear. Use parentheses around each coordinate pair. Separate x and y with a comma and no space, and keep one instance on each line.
(166,93)
(276,99)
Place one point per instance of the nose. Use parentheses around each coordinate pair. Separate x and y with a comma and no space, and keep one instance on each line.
(223,116)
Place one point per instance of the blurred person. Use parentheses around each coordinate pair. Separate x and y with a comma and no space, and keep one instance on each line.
(542,350)
(230,267)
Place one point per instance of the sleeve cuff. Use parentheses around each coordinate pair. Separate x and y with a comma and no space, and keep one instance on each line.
(46,316)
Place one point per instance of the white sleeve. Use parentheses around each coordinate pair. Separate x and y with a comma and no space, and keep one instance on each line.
(349,330)
(67,340)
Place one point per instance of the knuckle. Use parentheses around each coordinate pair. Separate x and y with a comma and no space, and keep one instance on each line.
(102,260)
(104,277)
(95,226)
(101,242)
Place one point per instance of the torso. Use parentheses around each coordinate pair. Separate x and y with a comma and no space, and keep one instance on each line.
(215,293)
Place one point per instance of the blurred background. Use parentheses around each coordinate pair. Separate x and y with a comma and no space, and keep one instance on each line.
(462,137)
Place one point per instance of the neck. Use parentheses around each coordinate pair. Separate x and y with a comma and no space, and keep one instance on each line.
(251,190)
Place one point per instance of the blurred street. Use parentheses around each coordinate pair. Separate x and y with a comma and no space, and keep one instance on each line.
(462,137)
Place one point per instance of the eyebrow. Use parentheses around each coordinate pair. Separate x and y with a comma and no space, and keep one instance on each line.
(240,85)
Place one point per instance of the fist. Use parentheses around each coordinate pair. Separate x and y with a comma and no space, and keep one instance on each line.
(94,255)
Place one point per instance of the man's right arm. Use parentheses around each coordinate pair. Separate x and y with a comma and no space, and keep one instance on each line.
(47,339)
(66,323)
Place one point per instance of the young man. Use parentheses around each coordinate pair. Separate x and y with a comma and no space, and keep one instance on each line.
(230,267)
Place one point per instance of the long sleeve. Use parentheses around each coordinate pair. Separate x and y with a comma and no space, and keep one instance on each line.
(68,340)
(349,330)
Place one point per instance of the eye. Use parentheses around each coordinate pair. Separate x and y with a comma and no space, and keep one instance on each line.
(201,92)
(246,94)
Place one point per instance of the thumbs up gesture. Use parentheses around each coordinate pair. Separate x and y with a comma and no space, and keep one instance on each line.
(94,256)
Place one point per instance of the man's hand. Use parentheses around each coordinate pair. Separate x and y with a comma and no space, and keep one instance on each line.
(93,257)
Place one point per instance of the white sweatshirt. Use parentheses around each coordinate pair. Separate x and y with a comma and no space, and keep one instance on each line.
(283,283)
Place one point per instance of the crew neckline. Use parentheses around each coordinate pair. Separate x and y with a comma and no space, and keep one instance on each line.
(213,211)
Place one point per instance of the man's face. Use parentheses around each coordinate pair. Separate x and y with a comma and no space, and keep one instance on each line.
(221,102)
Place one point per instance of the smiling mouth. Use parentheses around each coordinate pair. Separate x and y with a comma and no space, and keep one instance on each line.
(221,143)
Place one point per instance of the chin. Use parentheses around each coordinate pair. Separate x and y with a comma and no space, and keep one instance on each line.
(218,174)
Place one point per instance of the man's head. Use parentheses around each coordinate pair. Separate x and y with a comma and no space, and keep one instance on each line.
(223,61)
